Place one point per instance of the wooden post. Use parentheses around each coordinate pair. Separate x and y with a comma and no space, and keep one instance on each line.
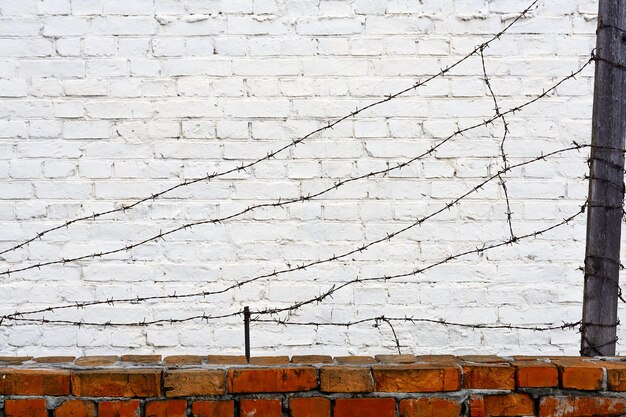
(606,184)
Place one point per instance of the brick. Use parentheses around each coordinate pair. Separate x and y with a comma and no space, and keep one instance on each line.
(416,378)
(213,409)
(168,408)
(183,360)
(309,407)
(483,359)
(436,359)
(365,407)
(396,358)
(477,406)
(35,407)
(34,382)
(17,360)
(311,359)
(75,408)
(119,408)
(54,359)
(116,383)
(272,379)
(355,360)
(346,379)
(226,360)
(181,383)
(580,375)
(616,376)
(430,407)
(269,360)
(260,408)
(531,374)
(581,406)
(486,376)
(141,358)
(509,405)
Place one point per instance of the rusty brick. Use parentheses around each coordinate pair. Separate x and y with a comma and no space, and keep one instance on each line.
(311,359)
(430,407)
(417,378)
(141,358)
(54,359)
(483,359)
(34,382)
(532,374)
(128,408)
(96,360)
(213,409)
(14,360)
(489,376)
(581,406)
(116,383)
(616,376)
(477,406)
(261,408)
(182,383)
(226,360)
(183,360)
(510,405)
(396,359)
(365,407)
(346,379)
(580,375)
(309,407)
(75,408)
(34,407)
(269,360)
(247,380)
(355,360)
(167,408)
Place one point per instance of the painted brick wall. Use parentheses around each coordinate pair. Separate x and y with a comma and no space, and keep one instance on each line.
(312,386)
(105,102)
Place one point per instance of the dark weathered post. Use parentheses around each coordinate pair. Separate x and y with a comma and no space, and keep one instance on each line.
(246,332)
(606,184)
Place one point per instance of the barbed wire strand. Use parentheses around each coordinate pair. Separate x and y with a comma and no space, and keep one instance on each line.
(360,249)
(282,203)
(274,153)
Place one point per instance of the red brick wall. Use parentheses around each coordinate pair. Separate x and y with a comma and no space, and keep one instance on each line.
(312,386)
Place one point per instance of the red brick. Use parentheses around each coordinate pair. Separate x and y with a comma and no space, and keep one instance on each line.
(35,407)
(355,360)
(269,360)
(168,408)
(396,358)
(184,360)
(477,406)
(75,408)
(483,359)
(119,408)
(226,360)
(34,382)
(116,383)
(417,378)
(581,406)
(213,409)
(510,405)
(489,376)
(447,359)
(536,374)
(585,376)
(365,407)
(141,358)
(309,407)
(96,360)
(272,379)
(261,408)
(311,359)
(182,383)
(430,407)
(616,376)
(54,359)
(346,379)
(14,360)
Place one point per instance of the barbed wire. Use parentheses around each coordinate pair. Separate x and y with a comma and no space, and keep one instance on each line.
(272,154)
(276,273)
(279,203)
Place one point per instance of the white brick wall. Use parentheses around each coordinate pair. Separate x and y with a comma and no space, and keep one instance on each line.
(103,102)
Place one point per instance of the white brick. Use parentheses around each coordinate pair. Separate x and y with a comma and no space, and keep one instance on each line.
(13,88)
(85,88)
(86,130)
(198,130)
(107,68)
(26,47)
(127,25)
(329,26)
(68,46)
(99,46)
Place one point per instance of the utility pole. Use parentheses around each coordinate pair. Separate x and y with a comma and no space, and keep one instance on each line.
(606,184)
